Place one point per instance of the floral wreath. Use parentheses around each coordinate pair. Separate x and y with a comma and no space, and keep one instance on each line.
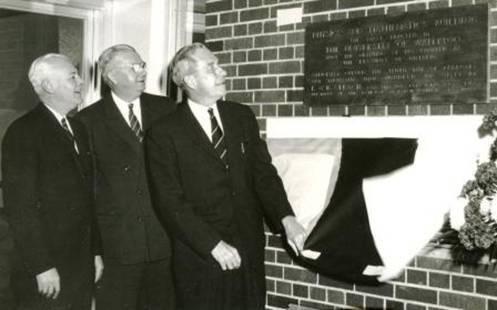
(477,233)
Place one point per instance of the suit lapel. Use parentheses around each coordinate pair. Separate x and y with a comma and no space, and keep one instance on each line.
(117,124)
(232,128)
(62,138)
(195,131)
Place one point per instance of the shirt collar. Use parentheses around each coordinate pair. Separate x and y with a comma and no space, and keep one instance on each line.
(57,115)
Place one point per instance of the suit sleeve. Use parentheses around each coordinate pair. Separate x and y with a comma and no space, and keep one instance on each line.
(20,171)
(267,183)
(168,195)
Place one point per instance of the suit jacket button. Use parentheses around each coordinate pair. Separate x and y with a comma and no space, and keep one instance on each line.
(233,193)
(126,168)
(227,167)
(139,219)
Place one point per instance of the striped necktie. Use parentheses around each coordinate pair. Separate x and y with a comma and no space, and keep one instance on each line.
(69,134)
(217,137)
(134,124)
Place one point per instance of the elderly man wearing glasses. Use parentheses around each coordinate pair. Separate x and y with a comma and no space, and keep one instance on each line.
(136,248)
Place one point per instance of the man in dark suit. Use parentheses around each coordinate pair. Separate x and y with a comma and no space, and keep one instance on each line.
(212,181)
(47,182)
(6,251)
(136,248)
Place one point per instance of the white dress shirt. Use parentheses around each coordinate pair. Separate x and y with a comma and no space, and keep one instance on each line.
(123,107)
(201,113)
(59,118)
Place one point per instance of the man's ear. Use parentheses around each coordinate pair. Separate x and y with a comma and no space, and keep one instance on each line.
(47,86)
(190,81)
(111,78)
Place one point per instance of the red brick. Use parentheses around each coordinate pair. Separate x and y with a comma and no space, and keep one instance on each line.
(240,56)
(255,28)
(300,290)
(240,4)
(486,287)
(254,55)
(426,262)
(315,305)
(273,271)
(319,6)
(374,303)
(268,110)
(417,277)
(357,14)
(381,290)
(294,95)
(357,110)
(252,69)
(285,67)
(439,109)
(269,82)
(415,293)
(462,108)
(417,109)
(376,11)
(347,4)
(299,52)
(438,4)
(394,305)
(461,2)
(318,294)
(280,301)
(415,307)
(253,3)
(319,111)
(289,27)
(239,84)
(229,18)
(338,16)
(270,54)
(270,40)
(484,108)
(241,30)
(461,301)
(285,110)
(376,111)
(223,58)
(210,20)
(295,38)
(270,26)
(439,280)
(240,43)
(320,18)
(301,275)
(354,300)
(336,297)
(269,96)
(465,284)
(270,285)
(254,83)
(285,52)
(239,97)
(302,110)
(269,2)
(283,288)
(255,14)
(285,81)
(493,18)
(223,5)
(416,7)
(337,110)
(215,45)
(388,1)
(493,35)
(269,256)
(396,10)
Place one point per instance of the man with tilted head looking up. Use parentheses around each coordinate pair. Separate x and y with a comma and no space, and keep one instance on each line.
(47,170)
(136,248)
(212,182)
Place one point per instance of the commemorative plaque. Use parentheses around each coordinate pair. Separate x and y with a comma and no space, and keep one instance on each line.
(433,56)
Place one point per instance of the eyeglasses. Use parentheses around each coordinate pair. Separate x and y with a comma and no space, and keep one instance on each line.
(137,67)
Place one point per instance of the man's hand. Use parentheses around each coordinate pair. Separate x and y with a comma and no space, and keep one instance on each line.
(49,283)
(99,267)
(295,233)
(227,256)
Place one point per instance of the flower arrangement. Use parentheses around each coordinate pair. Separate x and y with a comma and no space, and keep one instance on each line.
(474,216)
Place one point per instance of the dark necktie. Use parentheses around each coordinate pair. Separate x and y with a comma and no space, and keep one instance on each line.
(134,124)
(69,134)
(217,137)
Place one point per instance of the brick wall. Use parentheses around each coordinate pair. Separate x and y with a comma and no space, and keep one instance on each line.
(265,67)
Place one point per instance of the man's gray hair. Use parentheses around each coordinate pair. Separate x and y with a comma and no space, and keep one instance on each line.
(41,69)
(183,62)
(109,54)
